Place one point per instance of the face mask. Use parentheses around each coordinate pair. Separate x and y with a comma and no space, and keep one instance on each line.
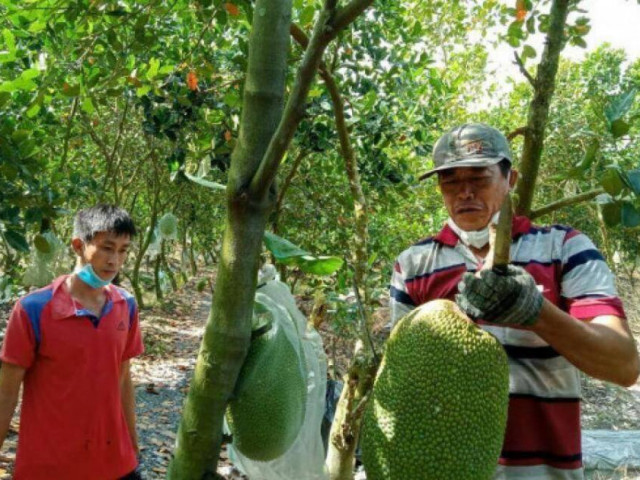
(476,238)
(89,276)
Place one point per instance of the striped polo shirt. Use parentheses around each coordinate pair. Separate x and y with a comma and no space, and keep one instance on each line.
(542,439)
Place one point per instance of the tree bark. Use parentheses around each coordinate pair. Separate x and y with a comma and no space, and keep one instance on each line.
(359,380)
(228,330)
(146,240)
(544,85)
(265,135)
(565,202)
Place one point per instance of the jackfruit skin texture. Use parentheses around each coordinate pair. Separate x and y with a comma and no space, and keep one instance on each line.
(438,408)
(270,398)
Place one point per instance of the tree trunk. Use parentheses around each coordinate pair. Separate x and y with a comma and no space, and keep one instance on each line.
(167,267)
(544,85)
(345,430)
(156,278)
(265,135)
(228,330)
(146,241)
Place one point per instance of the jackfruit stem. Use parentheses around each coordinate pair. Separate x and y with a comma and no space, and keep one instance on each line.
(500,238)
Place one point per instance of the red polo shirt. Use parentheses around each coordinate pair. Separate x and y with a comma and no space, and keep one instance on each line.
(72,424)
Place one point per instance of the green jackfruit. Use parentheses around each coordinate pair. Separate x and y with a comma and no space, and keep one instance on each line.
(168,226)
(270,398)
(438,407)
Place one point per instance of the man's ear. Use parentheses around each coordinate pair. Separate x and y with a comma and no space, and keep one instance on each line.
(77,244)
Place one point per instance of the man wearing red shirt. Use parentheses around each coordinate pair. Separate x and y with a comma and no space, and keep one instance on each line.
(70,344)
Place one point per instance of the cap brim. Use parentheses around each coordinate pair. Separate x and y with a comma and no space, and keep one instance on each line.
(472,162)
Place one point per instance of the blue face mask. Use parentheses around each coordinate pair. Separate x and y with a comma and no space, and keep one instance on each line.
(89,276)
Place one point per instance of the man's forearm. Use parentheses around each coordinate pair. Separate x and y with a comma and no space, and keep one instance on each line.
(10,380)
(602,348)
(129,408)
(7,408)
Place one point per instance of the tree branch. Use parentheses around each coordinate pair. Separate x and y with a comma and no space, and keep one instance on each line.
(518,131)
(565,202)
(544,86)
(326,28)
(524,70)
(287,181)
(65,148)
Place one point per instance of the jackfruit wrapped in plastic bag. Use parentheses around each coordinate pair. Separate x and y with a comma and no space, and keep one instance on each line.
(46,260)
(304,458)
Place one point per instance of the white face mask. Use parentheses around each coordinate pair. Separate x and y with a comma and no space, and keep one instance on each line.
(475,238)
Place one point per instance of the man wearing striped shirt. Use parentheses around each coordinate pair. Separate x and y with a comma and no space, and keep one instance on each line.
(555,312)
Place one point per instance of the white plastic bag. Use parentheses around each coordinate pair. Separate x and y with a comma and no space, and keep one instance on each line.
(304,460)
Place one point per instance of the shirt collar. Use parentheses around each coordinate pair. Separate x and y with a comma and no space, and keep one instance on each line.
(447,236)
(62,306)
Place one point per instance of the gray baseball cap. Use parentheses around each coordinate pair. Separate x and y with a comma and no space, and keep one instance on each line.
(469,145)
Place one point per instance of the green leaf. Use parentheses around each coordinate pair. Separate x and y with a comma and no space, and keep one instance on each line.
(612,181)
(9,39)
(633,176)
(319,265)
(142,91)
(87,106)
(578,42)
(282,249)
(37,26)
(630,216)
(154,65)
(16,240)
(232,98)
(30,74)
(33,110)
(611,213)
(286,252)
(528,52)
(619,128)
(42,244)
(585,163)
(531,24)
(620,105)
(205,183)
(306,16)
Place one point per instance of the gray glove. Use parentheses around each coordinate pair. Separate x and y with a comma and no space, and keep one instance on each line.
(510,297)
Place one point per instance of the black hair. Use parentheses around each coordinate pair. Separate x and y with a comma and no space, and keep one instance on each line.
(102,218)
(505,167)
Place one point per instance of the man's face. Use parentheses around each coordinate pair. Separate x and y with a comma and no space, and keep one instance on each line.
(106,252)
(473,195)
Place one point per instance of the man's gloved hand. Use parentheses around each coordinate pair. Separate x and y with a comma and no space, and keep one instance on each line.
(510,299)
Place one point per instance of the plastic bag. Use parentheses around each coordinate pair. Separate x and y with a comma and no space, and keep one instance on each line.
(607,450)
(304,460)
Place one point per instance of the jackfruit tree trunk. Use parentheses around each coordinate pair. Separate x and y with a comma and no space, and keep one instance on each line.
(343,438)
(145,241)
(167,267)
(228,330)
(262,143)
(543,87)
(346,425)
(156,279)
(347,422)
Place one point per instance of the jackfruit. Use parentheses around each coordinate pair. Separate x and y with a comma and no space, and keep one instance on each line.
(269,401)
(168,226)
(438,407)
